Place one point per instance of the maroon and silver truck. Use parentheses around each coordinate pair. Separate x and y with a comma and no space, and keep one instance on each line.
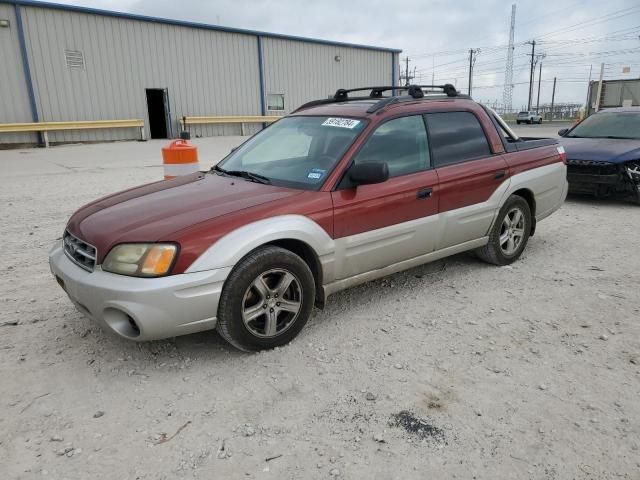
(342,191)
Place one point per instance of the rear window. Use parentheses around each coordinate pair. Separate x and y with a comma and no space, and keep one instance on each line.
(523,113)
(456,137)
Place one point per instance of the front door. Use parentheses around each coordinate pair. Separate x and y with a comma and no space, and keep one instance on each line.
(381,224)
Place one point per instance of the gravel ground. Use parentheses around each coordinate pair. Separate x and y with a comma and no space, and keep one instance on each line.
(456,369)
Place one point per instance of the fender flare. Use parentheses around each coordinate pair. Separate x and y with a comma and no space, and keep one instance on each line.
(231,248)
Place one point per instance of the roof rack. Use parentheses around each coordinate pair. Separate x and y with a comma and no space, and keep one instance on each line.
(413,92)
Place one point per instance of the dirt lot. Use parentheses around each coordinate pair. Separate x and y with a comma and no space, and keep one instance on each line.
(452,370)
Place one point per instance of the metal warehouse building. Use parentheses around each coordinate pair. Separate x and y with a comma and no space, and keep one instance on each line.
(68,63)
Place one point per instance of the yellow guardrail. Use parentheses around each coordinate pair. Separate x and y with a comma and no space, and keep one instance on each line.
(45,127)
(228,119)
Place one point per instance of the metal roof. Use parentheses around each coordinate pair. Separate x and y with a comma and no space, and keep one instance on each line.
(182,23)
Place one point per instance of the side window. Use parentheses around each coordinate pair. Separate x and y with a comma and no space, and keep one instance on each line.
(456,137)
(401,143)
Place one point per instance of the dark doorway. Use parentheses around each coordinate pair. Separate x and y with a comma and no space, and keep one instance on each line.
(158,108)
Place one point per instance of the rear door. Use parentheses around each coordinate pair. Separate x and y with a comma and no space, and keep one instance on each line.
(469,175)
(378,225)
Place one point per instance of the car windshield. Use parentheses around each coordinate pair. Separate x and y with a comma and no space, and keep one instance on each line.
(609,125)
(297,152)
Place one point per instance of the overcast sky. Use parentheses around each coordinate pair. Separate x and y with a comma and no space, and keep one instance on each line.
(573,34)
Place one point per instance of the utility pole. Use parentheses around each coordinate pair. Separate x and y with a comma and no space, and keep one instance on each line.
(472,61)
(600,87)
(533,53)
(407,77)
(553,97)
(470,69)
(541,57)
(587,105)
(433,70)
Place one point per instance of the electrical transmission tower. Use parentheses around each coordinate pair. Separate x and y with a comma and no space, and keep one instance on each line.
(507,94)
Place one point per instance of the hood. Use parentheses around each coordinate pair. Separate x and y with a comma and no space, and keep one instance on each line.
(155,211)
(601,149)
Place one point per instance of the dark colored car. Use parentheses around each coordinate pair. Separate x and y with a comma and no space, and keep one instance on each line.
(603,154)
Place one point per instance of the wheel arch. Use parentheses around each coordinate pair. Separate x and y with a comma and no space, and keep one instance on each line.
(296,233)
(309,256)
(531,201)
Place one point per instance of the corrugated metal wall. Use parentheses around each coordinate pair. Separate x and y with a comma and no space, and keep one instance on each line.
(615,93)
(14,99)
(206,72)
(308,71)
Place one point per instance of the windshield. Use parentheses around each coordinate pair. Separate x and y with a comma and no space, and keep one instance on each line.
(609,125)
(297,152)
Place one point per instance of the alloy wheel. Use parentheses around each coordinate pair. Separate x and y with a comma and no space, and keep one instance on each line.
(272,303)
(512,231)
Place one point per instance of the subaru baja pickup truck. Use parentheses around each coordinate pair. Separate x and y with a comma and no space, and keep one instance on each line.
(342,191)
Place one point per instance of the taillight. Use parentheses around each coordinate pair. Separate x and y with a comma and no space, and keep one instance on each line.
(563,154)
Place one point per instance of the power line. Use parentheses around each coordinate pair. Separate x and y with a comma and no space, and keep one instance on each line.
(593,21)
(566,57)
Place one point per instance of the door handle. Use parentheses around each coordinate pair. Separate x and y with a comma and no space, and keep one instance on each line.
(424,193)
(499,174)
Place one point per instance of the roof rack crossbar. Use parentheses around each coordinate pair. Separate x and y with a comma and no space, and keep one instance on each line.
(416,91)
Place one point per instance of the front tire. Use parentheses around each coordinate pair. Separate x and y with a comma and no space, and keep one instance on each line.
(266,300)
(509,234)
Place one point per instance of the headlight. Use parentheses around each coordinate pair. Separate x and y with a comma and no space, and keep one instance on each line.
(140,259)
(633,169)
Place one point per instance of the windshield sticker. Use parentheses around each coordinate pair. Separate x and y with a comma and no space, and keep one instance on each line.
(341,122)
(316,174)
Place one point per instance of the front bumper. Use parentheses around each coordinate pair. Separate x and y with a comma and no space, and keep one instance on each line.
(142,308)
(601,179)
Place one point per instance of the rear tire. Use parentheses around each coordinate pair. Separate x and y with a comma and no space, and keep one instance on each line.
(517,122)
(509,234)
(266,300)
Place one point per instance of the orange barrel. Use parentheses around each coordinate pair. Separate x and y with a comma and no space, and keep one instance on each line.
(179,158)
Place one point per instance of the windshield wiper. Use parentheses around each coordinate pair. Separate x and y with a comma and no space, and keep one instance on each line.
(252,177)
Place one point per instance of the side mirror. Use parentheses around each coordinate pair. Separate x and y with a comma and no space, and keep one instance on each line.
(368,173)
(563,132)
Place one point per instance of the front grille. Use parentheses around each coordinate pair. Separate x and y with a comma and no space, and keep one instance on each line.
(591,167)
(81,253)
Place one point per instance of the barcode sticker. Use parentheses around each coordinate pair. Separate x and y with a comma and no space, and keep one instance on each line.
(341,122)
